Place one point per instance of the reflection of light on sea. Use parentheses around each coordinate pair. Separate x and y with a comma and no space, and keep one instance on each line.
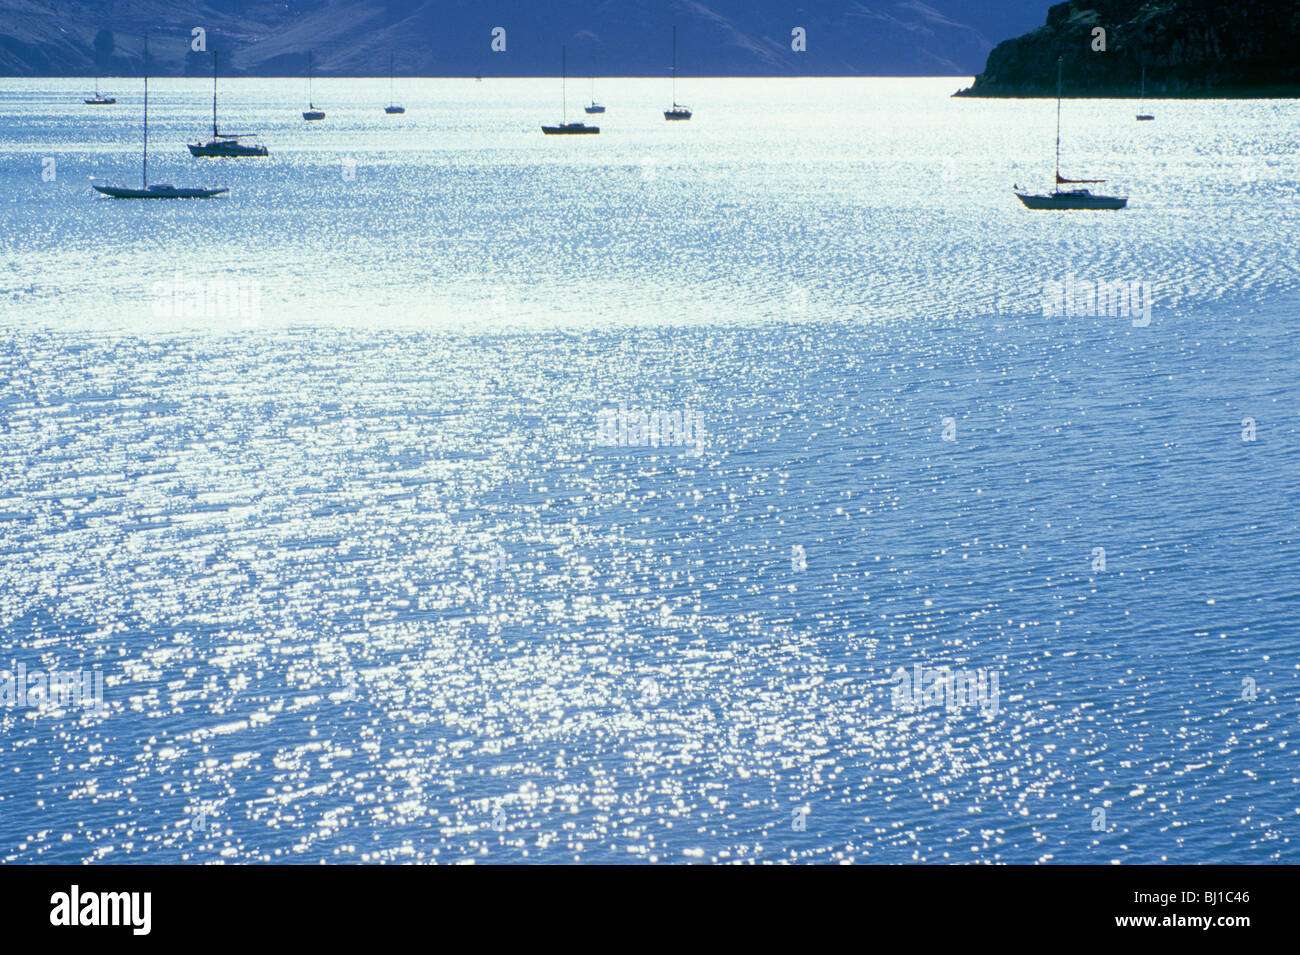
(275,544)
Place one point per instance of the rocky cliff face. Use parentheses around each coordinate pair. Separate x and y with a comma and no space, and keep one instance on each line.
(1190,48)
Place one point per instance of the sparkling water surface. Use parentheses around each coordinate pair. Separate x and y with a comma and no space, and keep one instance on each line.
(365,585)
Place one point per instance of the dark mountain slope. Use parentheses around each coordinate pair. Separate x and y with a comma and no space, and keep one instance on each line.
(1191,48)
(452,37)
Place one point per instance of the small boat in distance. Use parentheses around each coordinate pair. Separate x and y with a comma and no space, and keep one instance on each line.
(566,128)
(158,190)
(225,145)
(678,112)
(1143,117)
(392,108)
(594,107)
(97,98)
(311,113)
(1060,198)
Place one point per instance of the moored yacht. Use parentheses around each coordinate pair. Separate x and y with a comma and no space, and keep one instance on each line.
(571,129)
(1060,198)
(392,109)
(566,128)
(226,145)
(678,112)
(311,113)
(1143,117)
(594,107)
(158,190)
(97,98)
(1072,199)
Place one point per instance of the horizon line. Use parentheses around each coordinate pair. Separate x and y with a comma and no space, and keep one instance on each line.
(510,76)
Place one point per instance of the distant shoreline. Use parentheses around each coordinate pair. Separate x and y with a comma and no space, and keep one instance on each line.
(1280,92)
(1242,92)
(106,77)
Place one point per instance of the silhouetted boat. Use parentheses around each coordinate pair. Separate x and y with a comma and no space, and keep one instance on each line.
(225,145)
(594,107)
(1060,198)
(567,128)
(678,112)
(392,108)
(1073,199)
(97,98)
(1143,117)
(159,190)
(311,113)
(571,129)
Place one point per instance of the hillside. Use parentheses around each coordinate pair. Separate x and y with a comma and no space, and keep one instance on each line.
(452,37)
(1190,48)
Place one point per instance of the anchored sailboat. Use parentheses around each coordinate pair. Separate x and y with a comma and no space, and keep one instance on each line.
(392,108)
(160,190)
(678,112)
(1143,117)
(594,107)
(311,113)
(567,128)
(229,145)
(98,99)
(1060,198)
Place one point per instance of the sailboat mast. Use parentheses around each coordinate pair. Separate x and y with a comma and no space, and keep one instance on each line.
(144,164)
(390,77)
(1058,119)
(214,93)
(564,85)
(310,102)
(674,65)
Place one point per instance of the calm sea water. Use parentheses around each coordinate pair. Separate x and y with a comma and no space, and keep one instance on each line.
(365,582)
